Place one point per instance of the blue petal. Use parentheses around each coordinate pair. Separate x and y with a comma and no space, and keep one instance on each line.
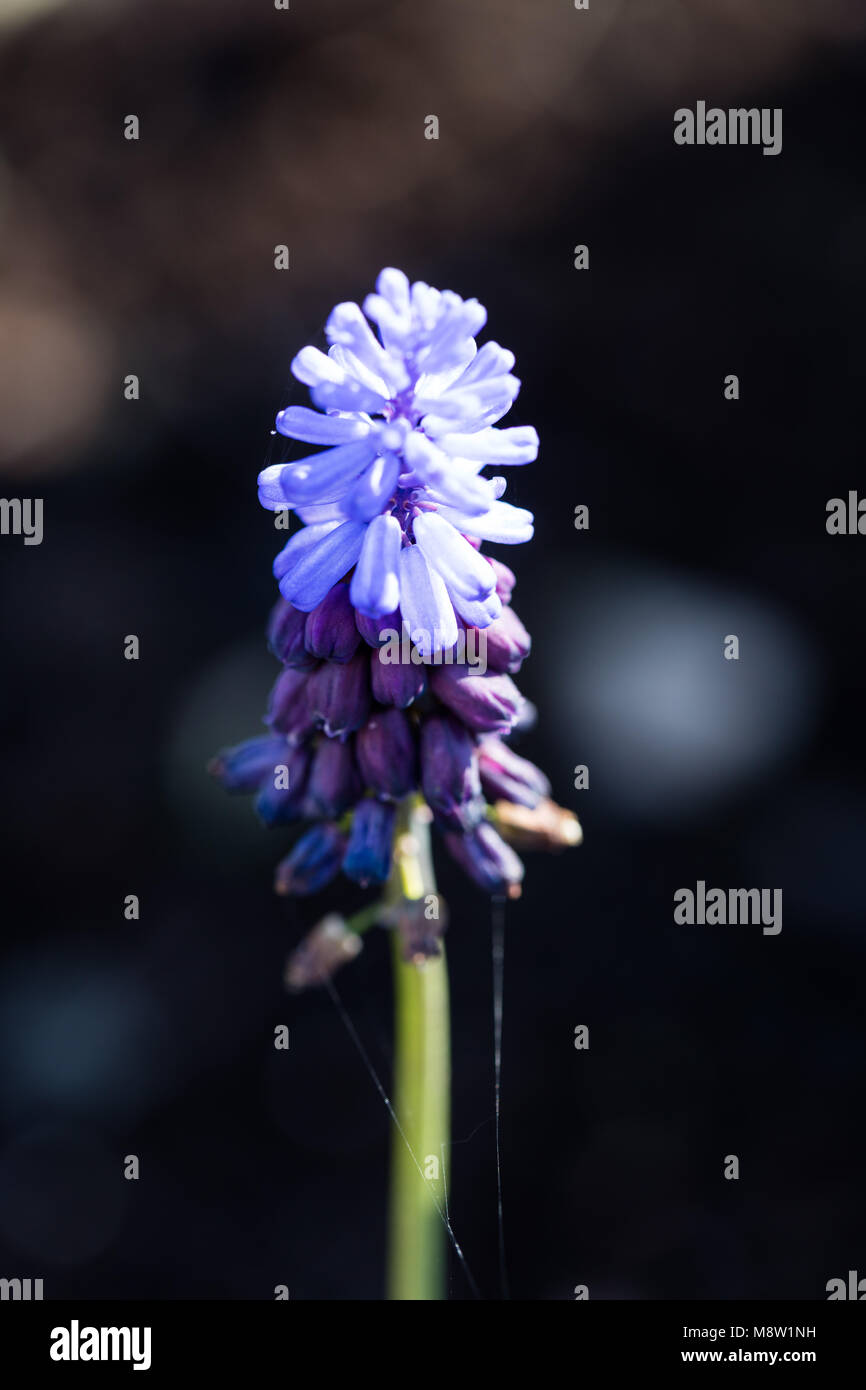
(375,587)
(331,386)
(393,286)
(503,523)
(313,368)
(455,484)
(348,329)
(325,477)
(426,305)
(311,571)
(479,613)
(347,395)
(357,371)
(491,360)
(511,446)
(466,401)
(298,422)
(373,489)
(326,511)
(270,491)
(471,402)
(424,603)
(464,571)
(452,339)
(298,544)
(390,307)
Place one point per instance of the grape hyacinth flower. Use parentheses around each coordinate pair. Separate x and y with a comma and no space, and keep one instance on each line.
(394,511)
(398,645)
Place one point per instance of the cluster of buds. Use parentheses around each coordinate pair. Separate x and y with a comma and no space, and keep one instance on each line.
(353,733)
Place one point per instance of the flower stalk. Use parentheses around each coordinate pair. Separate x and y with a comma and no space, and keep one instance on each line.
(417,1256)
(364,750)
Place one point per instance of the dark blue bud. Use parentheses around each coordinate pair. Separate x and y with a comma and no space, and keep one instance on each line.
(279,801)
(487,859)
(386,754)
(397,683)
(339,694)
(330,632)
(313,862)
(333,785)
(505,775)
(286,635)
(449,773)
(244,767)
(486,703)
(368,856)
(371,629)
(505,642)
(289,707)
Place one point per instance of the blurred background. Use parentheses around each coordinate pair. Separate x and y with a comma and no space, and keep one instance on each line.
(261,127)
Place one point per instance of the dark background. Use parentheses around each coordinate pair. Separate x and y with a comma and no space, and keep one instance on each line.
(707,518)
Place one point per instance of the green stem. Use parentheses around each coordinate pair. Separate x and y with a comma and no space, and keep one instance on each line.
(422,1075)
(366,918)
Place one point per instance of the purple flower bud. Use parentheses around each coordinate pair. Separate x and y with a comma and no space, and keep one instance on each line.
(449,773)
(397,683)
(279,801)
(286,635)
(328,947)
(288,708)
(339,694)
(333,784)
(244,767)
(330,632)
(488,860)
(386,754)
(505,579)
(313,862)
(486,703)
(368,856)
(505,775)
(506,642)
(371,628)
